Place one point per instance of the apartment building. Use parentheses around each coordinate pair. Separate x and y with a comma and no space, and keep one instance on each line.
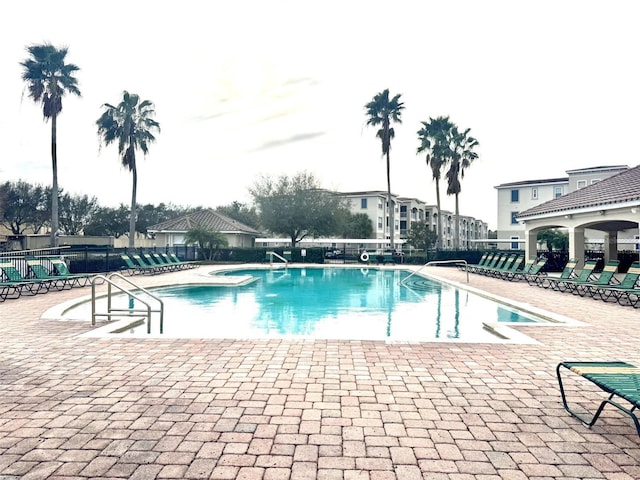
(516,197)
(408,210)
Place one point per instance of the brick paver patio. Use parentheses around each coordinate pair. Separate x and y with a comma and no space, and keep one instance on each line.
(78,407)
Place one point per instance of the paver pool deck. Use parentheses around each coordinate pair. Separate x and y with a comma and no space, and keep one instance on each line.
(74,407)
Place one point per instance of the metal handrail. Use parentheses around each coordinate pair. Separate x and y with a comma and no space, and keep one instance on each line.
(434,262)
(110,310)
(274,254)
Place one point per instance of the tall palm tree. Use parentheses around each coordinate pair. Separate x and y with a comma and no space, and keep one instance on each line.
(130,124)
(48,79)
(434,139)
(463,155)
(382,111)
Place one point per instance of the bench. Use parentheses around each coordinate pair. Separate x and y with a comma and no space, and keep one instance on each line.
(620,380)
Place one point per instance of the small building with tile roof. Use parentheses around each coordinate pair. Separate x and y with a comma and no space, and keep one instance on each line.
(610,206)
(172,232)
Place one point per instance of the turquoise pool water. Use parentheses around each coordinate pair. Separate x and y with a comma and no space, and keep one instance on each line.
(332,303)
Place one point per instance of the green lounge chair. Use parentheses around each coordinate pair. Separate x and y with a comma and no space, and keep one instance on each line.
(620,380)
(142,264)
(493,263)
(133,268)
(185,263)
(566,274)
(605,278)
(512,269)
(535,274)
(160,266)
(625,293)
(61,279)
(504,267)
(486,256)
(160,260)
(516,273)
(13,278)
(564,284)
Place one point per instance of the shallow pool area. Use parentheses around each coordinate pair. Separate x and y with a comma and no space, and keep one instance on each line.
(378,304)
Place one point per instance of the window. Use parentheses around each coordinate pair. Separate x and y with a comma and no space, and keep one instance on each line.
(515,196)
(379,204)
(363,203)
(581,184)
(534,193)
(557,192)
(515,244)
(514,220)
(379,222)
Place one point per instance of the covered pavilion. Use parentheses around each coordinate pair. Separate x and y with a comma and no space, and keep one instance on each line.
(610,206)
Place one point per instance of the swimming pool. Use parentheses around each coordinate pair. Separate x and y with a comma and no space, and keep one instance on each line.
(331,303)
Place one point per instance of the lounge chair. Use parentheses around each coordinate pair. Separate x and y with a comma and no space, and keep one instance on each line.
(617,379)
(160,260)
(516,273)
(143,264)
(626,292)
(133,268)
(605,278)
(567,284)
(61,279)
(566,274)
(161,266)
(185,263)
(486,256)
(536,275)
(503,265)
(492,263)
(15,280)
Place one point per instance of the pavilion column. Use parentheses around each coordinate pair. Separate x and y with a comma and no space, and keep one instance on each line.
(531,244)
(610,245)
(576,245)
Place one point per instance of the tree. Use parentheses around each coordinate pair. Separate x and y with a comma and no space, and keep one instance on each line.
(554,239)
(109,221)
(381,111)
(358,225)
(421,236)
(434,140)
(242,213)
(76,211)
(208,240)
(131,125)
(296,206)
(49,79)
(25,205)
(462,155)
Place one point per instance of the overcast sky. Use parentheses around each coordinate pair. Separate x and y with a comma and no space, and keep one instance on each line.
(247,88)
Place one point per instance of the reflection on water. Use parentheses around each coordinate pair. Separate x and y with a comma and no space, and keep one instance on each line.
(331,303)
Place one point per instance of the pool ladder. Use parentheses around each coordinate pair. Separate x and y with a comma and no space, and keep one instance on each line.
(274,254)
(112,311)
(436,262)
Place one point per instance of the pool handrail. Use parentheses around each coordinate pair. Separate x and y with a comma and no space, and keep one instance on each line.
(274,254)
(435,262)
(110,282)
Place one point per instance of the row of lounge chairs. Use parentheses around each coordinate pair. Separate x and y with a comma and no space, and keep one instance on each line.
(43,274)
(604,286)
(152,263)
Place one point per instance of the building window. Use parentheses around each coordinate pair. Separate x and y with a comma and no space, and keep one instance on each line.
(514,220)
(515,244)
(363,203)
(581,184)
(379,204)
(557,192)
(534,193)
(379,222)
(515,196)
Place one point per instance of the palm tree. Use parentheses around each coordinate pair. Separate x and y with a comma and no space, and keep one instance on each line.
(130,124)
(48,79)
(208,240)
(382,111)
(434,139)
(461,158)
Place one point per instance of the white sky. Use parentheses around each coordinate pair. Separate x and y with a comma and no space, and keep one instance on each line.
(247,88)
